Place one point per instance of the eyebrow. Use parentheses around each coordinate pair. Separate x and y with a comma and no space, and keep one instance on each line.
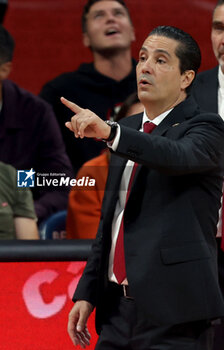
(103,10)
(157,51)
(217,23)
(96,11)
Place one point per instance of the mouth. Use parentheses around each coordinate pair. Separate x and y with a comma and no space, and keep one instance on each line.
(111,32)
(144,82)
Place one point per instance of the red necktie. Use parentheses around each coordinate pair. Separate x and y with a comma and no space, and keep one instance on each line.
(119,259)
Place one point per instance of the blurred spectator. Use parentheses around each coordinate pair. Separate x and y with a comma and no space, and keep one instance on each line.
(29,134)
(3,9)
(101,85)
(208,91)
(17,217)
(84,206)
(131,106)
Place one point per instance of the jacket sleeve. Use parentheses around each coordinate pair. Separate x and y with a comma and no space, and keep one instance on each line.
(87,286)
(194,146)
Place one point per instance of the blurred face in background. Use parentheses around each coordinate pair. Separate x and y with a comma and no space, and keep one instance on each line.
(108,26)
(217,35)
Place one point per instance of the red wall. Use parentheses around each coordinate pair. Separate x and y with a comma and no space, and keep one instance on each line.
(35,300)
(48,34)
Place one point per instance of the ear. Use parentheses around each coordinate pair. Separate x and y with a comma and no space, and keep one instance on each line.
(5,70)
(186,78)
(85,40)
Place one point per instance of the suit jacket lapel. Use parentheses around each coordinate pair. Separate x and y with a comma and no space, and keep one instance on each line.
(185,110)
(212,91)
(205,89)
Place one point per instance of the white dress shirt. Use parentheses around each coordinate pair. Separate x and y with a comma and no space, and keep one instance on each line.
(120,206)
(221,93)
(221,113)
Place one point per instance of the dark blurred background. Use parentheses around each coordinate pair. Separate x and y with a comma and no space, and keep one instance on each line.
(49,40)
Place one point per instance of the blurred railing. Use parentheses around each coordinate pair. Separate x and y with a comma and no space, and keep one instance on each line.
(47,250)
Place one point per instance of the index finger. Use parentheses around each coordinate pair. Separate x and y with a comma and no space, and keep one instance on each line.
(71,105)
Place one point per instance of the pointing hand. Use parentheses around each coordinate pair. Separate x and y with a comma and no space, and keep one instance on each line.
(85,123)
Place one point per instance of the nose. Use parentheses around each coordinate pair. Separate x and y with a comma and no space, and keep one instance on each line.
(147,66)
(222,39)
(219,39)
(110,17)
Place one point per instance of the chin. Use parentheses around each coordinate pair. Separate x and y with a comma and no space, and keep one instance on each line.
(109,49)
(221,62)
(143,95)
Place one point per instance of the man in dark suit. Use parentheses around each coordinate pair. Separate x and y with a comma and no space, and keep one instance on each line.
(152,273)
(208,91)
(3,9)
(208,86)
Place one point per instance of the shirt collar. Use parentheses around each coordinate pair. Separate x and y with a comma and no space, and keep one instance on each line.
(156,120)
(221,80)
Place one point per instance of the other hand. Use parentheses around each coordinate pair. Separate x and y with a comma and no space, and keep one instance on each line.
(77,323)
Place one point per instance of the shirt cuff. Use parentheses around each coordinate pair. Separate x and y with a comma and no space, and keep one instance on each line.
(114,144)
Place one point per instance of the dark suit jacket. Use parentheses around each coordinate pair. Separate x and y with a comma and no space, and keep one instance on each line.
(170,219)
(205,90)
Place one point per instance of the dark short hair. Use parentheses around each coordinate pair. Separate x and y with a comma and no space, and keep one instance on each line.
(7,45)
(187,51)
(219,3)
(90,3)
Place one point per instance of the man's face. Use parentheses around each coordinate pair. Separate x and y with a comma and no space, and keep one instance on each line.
(158,74)
(108,27)
(217,34)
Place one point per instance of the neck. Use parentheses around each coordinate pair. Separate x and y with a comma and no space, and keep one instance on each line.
(116,66)
(153,110)
(222,68)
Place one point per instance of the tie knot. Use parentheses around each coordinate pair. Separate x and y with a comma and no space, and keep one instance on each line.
(148,127)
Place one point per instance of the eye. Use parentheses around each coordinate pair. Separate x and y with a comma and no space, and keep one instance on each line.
(218,27)
(219,30)
(142,58)
(119,13)
(98,15)
(160,61)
